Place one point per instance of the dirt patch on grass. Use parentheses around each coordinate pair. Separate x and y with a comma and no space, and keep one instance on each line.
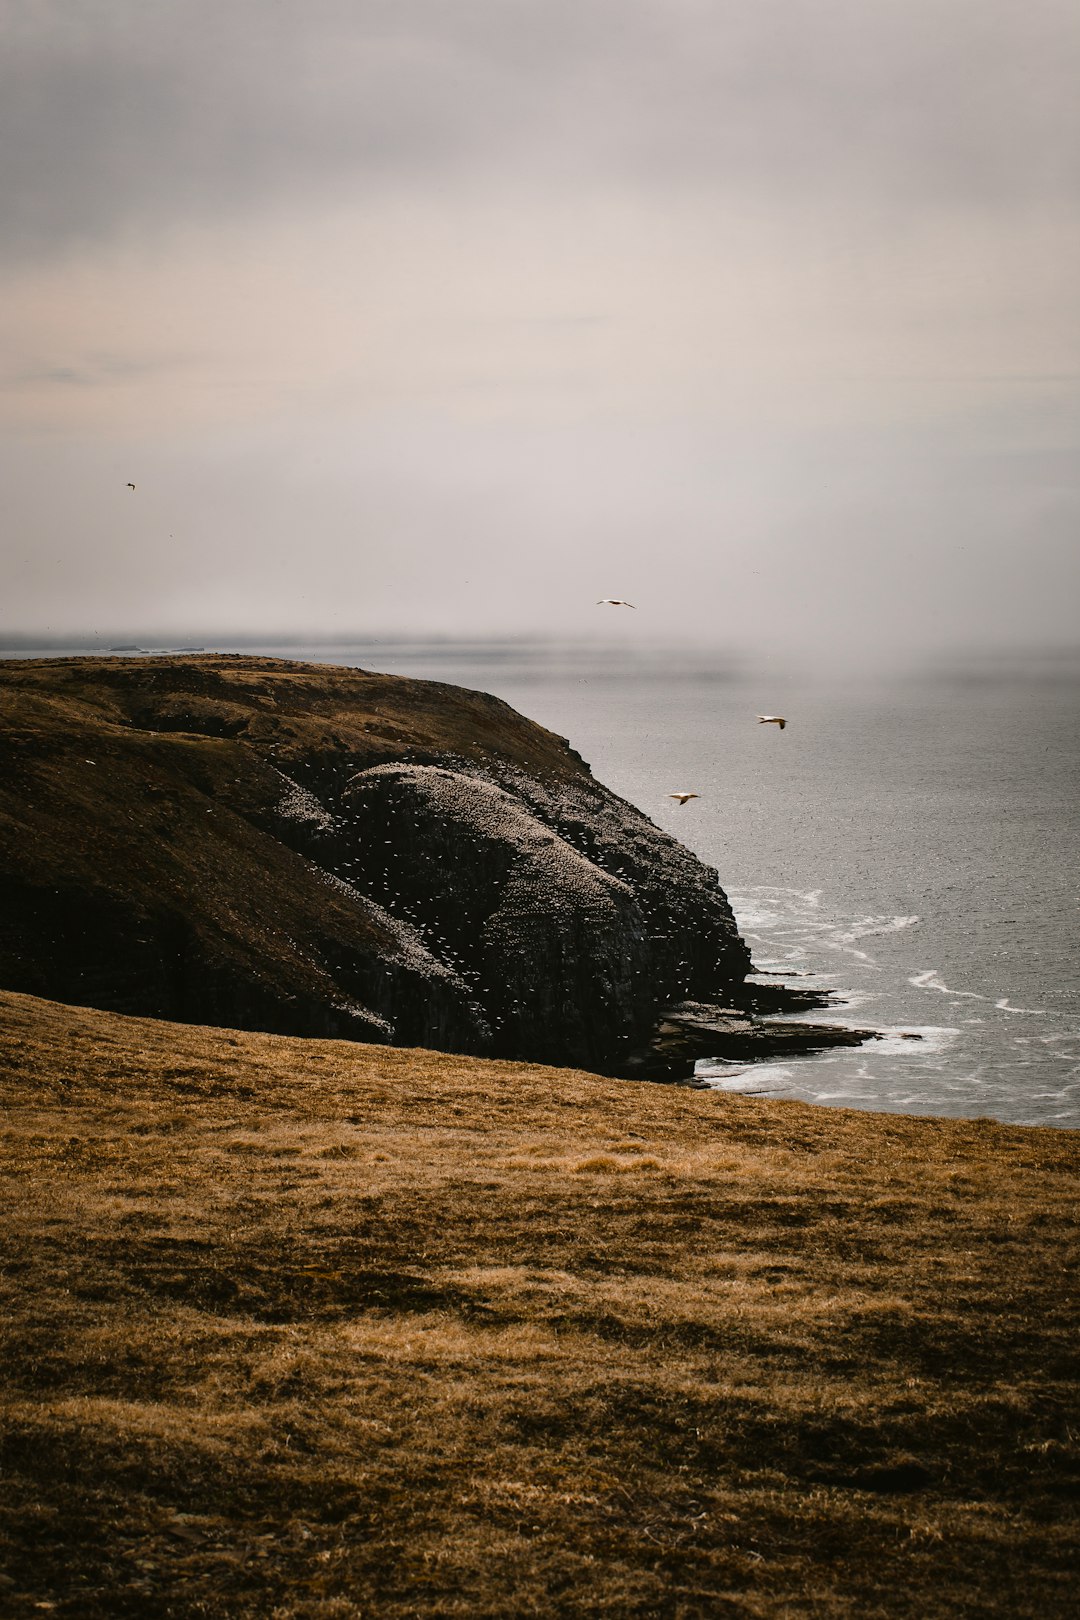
(310,1329)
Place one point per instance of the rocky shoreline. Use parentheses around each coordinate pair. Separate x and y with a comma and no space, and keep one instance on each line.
(320,851)
(693,1031)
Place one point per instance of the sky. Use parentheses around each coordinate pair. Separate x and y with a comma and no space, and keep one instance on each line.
(449,317)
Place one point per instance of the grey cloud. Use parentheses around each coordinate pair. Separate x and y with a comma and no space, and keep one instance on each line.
(94,372)
(127,114)
(139,118)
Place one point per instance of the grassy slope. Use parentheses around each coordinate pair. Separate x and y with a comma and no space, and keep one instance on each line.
(304,1328)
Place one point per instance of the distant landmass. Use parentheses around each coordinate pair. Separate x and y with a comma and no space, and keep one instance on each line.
(149,650)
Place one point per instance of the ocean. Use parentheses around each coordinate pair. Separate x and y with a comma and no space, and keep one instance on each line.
(908,843)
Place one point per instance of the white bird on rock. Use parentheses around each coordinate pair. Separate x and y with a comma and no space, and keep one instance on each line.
(682,797)
(614,601)
(771,720)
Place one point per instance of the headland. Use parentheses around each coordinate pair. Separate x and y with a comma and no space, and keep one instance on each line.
(320,851)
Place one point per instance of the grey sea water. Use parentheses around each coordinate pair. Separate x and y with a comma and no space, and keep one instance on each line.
(910,844)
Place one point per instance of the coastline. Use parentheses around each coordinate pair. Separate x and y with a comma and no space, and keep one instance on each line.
(997,1033)
(324,851)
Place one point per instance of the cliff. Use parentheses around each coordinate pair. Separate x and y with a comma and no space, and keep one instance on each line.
(323,851)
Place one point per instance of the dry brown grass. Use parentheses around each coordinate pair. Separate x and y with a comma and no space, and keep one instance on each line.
(307,1329)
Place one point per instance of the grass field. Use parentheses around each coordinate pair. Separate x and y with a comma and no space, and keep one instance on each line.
(310,1329)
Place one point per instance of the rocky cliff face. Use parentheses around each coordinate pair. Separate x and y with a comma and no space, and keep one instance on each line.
(569,915)
(309,850)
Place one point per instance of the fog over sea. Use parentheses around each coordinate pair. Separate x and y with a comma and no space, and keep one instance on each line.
(910,843)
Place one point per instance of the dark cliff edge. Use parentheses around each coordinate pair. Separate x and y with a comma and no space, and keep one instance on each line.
(312,850)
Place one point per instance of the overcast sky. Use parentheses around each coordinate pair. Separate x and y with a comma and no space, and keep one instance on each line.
(455,315)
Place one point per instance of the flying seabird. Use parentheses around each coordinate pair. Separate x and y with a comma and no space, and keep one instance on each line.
(771,720)
(682,797)
(614,601)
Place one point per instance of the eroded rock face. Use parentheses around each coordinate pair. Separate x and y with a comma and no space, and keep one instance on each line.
(572,917)
(556,949)
(318,851)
